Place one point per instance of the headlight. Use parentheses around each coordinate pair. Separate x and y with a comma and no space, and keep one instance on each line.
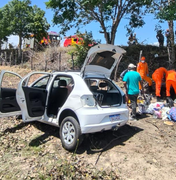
(88,101)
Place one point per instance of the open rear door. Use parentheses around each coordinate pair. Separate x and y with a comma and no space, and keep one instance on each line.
(32,94)
(8,87)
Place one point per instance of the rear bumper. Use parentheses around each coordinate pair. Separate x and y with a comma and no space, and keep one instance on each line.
(92,128)
(97,120)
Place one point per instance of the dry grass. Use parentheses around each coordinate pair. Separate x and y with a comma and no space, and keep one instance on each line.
(51,59)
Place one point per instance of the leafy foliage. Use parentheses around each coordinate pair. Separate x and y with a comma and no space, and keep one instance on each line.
(23,19)
(80,51)
(168,12)
(5,30)
(27,19)
(38,24)
(71,13)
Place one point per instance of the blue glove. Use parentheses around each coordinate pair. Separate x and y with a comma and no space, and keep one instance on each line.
(148,75)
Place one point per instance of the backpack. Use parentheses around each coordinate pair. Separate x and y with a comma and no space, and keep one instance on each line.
(172,113)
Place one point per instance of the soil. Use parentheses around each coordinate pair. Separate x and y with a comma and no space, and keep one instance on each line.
(142,149)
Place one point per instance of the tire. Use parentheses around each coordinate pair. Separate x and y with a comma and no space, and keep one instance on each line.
(70,133)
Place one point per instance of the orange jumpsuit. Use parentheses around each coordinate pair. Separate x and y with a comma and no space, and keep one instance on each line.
(170,81)
(142,69)
(157,76)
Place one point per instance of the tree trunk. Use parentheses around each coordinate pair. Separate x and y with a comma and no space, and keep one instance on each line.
(114,30)
(107,37)
(19,49)
(172,49)
(113,37)
(110,37)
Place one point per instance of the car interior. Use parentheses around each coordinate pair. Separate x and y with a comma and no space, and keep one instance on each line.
(60,90)
(105,93)
(8,101)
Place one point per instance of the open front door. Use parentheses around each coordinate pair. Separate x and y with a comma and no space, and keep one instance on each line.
(8,87)
(32,94)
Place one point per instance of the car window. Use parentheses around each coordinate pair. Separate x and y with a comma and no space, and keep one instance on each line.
(42,83)
(106,85)
(100,84)
(37,80)
(68,79)
(10,81)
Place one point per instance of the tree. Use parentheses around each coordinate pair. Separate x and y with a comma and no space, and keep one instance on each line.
(71,13)
(26,19)
(38,25)
(5,30)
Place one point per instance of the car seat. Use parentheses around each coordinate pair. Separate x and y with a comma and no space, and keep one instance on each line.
(62,92)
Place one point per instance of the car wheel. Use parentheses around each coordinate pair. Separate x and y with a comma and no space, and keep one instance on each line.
(70,133)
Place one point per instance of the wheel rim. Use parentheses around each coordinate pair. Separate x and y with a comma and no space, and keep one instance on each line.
(68,132)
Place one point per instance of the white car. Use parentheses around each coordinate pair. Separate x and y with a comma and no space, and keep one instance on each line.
(78,103)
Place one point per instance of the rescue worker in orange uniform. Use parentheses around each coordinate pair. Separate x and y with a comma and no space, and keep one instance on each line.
(170,81)
(158,76)
(142,69)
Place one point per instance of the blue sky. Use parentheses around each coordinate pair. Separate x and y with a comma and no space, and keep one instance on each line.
(146,34)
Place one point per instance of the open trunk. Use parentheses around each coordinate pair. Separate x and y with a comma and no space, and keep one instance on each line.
(105,92)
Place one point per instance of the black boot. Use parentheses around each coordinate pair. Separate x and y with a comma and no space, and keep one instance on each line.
(169,101)
(159,99)
(150,89)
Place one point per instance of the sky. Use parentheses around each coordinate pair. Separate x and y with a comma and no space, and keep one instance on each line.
(145,35)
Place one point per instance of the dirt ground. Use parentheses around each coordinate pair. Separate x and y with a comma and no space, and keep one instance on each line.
(141,150)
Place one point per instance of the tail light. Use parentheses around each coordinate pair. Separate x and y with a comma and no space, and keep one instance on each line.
(88,101)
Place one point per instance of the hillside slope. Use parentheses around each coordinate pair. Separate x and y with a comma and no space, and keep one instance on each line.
(155,57)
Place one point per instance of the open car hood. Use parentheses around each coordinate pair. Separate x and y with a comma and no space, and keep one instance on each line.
(102,59)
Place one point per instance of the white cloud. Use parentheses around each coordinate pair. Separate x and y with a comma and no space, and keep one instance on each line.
(13,40)
(155,44)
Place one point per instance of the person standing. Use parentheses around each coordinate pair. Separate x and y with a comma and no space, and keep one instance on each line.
(131,82)
(130,39)
(160,38)
(142,69)
(158,76)
(167,34)
(135,39)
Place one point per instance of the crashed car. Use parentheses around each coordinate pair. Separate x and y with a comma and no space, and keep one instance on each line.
(78,102)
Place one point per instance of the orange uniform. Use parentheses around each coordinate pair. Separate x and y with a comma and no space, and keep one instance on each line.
(170,81)
(142,69)
(157,76)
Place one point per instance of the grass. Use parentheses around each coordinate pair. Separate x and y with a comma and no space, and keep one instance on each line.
(41,160)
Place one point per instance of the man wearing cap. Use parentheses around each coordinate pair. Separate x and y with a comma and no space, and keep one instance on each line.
(123,73)
(142,69)
(131,81)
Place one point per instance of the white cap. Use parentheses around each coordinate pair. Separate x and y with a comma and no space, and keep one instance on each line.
(131,66)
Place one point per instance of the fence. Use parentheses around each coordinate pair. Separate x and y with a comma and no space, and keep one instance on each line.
(53,59)
(8,57)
